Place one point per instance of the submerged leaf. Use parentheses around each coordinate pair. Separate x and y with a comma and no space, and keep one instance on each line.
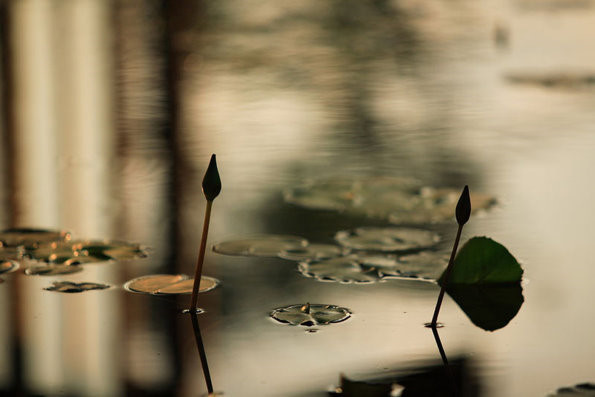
(52,270)
(483,261)
(267,245)
(310,314)
(86,251)
(31,238)
(311,252)
(70,287)
(8,266)
(169,284)
(387,239)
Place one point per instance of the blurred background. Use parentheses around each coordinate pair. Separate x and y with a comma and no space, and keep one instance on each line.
(110,110)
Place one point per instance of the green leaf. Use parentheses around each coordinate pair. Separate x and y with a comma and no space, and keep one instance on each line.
(483,261)
(489,306)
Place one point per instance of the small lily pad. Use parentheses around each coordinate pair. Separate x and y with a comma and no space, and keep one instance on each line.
(420,266)
(31,238)
(267,245)
(311,252)
(70,287)
(52,270)
(8,266)
(85,251)
(310,315)
(484,261)
(346,270)
(580,390)
(169,284)
(387,239)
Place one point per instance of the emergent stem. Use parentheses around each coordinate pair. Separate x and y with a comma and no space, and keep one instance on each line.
(201,257)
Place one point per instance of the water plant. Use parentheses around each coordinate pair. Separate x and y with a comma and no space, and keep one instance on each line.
(211,187)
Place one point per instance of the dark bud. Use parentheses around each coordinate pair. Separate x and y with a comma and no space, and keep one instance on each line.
(463,211)
(211,183)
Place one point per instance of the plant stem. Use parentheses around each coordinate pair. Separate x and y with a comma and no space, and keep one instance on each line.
(201,351)
(201,257)
(446,276)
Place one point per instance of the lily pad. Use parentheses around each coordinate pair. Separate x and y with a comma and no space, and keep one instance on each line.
(311,252)
(346,270)
(8,266)
(70,287)
(52,270)
(169,284)
(310,315)
(484,261)
(11,253)
(85,251)
(387,239)
(420,266)
(267,245)
(580,390)
(31,238)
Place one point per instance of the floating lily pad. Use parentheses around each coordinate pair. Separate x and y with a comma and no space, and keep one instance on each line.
(421,266)
(70,287)
(83,251)
(484,261)
(11,253)
(267,245)
(580,390)
(311,252)
(31,238)
(310,315)
(554,80)
(169,284)
(387,239)
(8,266)
(52,270)
(344,270)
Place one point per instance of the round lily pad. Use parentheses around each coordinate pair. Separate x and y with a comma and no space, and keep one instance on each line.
(346,270)
(86,251)
(310,315)
(169,284)
(387,239)
(30,237)
(8,266)
(52,270)
(311,252)
(267,245)
(420,266)
(70,287)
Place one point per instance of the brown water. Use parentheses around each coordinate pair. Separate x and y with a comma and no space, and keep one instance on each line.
(288,91)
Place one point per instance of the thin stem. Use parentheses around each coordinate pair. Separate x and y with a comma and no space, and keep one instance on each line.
(446,276)
(201,352)
(451,376)
(201,257)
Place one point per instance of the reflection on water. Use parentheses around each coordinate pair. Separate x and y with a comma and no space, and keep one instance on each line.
(112,109)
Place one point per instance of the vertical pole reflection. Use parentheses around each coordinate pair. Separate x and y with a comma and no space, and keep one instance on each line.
(201,351)
(449,373)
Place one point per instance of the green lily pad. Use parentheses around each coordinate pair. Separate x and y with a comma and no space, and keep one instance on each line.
(309,315)
(387,239)
(169,284)
(346,270)
(31,238)
(420,266)
(311,252)
(580,390)
(488,306)
(8,266)
(483,261)
(267,245)
(85,251)
(70,287)
(52,270)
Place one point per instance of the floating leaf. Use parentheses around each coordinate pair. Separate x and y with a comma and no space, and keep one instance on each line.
(311,252)
(387,239)
(554,80)
(422,265)
(483,261)
(169,284)
(52,270)
(489,306)
(345,270)
(11,253)
(8,266)
(31,238)
(267,245)
(580,390)
(70,287)
(310,314)
(84,251)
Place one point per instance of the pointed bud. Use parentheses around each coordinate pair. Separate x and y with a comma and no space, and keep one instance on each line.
(211,183)
(463,211)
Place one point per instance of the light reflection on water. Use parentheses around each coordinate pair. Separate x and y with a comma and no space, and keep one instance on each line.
(285,92)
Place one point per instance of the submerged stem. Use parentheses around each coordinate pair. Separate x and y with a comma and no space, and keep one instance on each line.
(201,257)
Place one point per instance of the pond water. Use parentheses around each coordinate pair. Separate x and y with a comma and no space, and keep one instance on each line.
(286,92)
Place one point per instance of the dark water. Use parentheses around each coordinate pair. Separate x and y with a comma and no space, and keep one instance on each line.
(283,92)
